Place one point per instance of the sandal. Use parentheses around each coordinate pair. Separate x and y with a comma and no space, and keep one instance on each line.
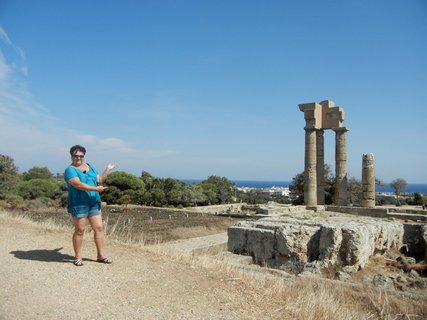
(78,262)
(105,260)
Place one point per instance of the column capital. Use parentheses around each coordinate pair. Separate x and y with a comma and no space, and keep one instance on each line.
(312,114)
(308,106)
(368,156)
(340,130)
(310,129)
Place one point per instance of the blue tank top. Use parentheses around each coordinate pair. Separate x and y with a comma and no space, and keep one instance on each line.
(78,198)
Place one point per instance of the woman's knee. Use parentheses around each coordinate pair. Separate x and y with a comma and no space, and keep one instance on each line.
(96,224)
(79,231)
(98,228)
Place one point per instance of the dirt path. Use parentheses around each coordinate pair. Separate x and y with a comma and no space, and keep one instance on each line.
(39,281)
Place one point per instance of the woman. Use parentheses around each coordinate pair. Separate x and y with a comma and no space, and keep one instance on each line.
(84,203)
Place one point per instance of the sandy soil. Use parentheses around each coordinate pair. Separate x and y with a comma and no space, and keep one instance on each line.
(39,281)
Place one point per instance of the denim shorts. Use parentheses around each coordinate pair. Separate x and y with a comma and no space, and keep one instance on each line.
(85,211)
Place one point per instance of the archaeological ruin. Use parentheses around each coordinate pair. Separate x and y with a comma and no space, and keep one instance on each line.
(310,238)
(368,181)
(319,117)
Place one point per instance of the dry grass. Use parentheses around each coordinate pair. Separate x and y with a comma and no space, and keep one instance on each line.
(46,225)
(319,299)
(153,226)
(139,225)
(310,298)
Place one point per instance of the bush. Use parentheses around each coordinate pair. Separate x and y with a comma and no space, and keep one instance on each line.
(384,200)
(63,200)
(37,188)
(418,199)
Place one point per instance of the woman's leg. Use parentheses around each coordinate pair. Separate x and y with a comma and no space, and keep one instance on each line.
(79,230)
(98,229)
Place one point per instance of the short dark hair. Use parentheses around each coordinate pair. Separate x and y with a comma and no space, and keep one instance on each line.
(76,148)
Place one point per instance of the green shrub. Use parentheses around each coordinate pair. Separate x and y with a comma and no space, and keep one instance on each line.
(37,188)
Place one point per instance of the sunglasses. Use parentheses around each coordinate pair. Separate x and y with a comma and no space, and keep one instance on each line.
(78,156)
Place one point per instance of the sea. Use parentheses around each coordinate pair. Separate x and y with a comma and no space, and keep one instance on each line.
(412,187)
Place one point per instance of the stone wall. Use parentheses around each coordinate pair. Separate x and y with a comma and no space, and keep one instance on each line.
(369,212)
(279,209)
(232,208)
(378,212)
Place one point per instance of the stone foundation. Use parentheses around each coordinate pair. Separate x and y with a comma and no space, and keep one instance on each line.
(379,212)
(309,244)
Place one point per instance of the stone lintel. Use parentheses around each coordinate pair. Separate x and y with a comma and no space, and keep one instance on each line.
(327,103)
(332,117)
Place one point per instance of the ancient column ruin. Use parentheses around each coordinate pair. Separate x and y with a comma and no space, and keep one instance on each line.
(310,167)
(318,117)
(320,167)
(368,181)
(340,166)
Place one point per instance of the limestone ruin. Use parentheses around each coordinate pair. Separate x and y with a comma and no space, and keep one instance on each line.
(368,181)
(319,117)
(308,243)
(297,241)
(312,238)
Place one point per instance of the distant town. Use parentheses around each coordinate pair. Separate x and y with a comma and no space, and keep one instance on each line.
(284,191)
(273,191)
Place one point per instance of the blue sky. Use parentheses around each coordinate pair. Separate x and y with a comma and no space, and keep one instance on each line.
(188,89)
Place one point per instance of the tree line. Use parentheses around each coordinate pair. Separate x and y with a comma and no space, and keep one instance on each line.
(125,188)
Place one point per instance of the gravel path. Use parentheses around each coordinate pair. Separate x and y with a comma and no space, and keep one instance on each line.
(39,281)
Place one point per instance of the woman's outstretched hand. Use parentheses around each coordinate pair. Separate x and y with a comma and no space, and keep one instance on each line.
(110,167)
(101,178)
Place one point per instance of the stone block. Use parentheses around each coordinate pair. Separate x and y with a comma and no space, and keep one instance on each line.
(329,242)
(290,244)
(237,239)
(260,244)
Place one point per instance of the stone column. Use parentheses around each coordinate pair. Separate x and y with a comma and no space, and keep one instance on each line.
(320,167)
(310,194)
(341,198)
(368,181)
(313,120)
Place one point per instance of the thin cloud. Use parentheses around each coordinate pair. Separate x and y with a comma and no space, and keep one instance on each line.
(18,51)
(33,137)
(5,37)
(5,69)
(15,99)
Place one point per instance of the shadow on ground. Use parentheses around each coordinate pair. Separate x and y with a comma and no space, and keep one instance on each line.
(43,255)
